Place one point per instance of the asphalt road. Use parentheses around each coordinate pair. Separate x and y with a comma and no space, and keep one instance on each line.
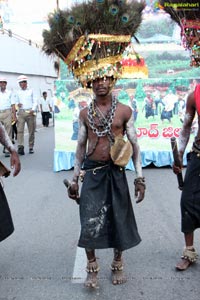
(40,261)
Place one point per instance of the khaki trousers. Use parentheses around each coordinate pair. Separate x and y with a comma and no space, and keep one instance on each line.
(6,120)
(30,120)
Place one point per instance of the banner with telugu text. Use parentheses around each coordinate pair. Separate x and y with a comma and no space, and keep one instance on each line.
(157,107)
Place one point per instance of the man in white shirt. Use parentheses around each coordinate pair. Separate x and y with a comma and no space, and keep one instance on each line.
(7,109)
(27,105)
(168,102)
(45,108)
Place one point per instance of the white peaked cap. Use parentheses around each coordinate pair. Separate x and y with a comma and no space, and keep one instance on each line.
(22,78)
(3,79)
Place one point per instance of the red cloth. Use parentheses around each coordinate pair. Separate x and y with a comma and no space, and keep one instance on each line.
(197,97)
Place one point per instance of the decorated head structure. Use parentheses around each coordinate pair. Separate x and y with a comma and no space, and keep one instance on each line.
(186,13)
(91,36)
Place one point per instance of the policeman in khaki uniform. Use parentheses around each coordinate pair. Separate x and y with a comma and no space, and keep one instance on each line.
(27,105)
(7,109)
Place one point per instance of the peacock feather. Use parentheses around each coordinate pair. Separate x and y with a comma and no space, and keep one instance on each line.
(114,17)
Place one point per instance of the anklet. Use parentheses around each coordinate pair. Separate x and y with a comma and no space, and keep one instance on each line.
(190,254)
(92,267)
(117,265)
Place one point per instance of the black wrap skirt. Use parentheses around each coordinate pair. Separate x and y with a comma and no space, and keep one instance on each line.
(190,199)
(6,223)
(106,213)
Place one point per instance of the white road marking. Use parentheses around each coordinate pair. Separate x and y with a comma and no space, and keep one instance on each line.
(79,274)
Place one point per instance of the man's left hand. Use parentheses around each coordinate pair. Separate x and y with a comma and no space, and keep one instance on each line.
(139,189)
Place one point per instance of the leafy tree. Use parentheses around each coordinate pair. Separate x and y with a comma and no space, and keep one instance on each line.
(64,72)
(139,92)
(157,25)
(123,97)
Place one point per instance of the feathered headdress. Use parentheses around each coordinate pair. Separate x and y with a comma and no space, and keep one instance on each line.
(91,36)
(187,14)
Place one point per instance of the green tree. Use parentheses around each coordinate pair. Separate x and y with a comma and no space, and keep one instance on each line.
(139,92)
(64,72)
(123,96)
(158,25)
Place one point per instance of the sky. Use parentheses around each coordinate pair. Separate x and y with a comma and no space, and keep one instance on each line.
(27,18)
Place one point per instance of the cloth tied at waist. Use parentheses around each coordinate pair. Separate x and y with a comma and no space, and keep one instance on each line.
(94,166)
(196,148)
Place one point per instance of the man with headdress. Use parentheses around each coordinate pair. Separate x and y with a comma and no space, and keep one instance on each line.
(107,218)
(106,213)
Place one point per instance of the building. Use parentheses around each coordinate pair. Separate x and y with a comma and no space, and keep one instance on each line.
(21,56)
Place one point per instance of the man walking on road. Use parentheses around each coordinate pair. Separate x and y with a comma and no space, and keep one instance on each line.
(45,109)
(7,109)
(27,105)
(106,213)
(190,198)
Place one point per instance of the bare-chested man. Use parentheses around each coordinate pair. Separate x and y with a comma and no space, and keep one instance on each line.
(106,213)
(190,199)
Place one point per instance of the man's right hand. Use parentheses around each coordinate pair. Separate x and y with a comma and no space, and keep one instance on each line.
(73,190)
(176,169)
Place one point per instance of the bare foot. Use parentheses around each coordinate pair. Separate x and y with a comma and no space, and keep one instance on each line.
(183,264)
(189,257)
(92,270)
(118,276)
(91,280)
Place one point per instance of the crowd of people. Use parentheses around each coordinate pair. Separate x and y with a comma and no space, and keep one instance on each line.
(164,105)
(20,108)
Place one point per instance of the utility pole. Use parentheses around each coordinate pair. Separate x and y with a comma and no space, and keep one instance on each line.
(57,4)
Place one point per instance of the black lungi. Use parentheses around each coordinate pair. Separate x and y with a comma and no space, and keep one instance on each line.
(190,198)
(106,213)
(6,223)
